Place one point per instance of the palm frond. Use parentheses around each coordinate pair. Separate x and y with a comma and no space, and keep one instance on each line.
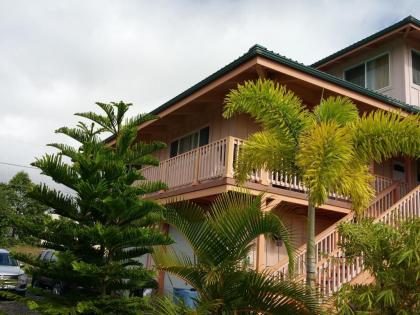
(190,219)
(166,306)
(356,183)
(381,135)
(238,219)
(265,150)
(324,154)
(278,297)
(340,110)
(180,265)
(271,105)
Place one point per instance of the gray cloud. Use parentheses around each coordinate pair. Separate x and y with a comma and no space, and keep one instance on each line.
(59,57)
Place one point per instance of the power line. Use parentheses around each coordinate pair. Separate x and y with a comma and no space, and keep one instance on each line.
(18,165)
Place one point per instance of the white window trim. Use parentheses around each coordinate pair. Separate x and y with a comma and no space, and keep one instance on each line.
(197,130)
(411,66)
(370,59)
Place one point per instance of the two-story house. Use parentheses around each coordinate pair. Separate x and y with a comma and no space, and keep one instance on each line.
(381,71)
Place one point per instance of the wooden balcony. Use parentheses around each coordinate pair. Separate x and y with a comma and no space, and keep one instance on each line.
(216,160)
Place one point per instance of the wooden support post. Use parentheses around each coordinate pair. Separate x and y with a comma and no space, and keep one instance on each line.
(161,274)
(264,177)
(230,147)
(408,172)
(372,168)
(261,263)
(261,253)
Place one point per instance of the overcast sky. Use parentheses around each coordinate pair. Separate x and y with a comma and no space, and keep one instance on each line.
(59,57)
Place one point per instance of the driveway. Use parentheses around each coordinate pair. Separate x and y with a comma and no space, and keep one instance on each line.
(8,307)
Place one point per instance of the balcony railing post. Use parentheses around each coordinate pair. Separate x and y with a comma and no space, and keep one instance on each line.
(230,151)
(164,173)
(196,167)
(397,193)
(264,177)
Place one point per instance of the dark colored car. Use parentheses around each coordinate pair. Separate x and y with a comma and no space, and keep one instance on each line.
(57,287)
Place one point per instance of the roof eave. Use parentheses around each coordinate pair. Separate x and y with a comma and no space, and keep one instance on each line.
(409,21)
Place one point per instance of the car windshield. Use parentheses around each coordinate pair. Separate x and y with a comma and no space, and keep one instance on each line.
(6,260)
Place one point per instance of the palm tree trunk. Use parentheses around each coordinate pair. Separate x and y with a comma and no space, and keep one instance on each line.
(310,249)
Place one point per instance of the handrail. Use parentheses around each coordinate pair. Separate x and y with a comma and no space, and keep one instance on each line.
(216,160)
(326,241)
(336,270)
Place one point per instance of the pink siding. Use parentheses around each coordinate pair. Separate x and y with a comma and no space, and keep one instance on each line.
(413,90)
(397,50)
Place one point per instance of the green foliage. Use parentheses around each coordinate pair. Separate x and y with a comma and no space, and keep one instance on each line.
(330,148)
(326,146)
(392,256)
(16,206)
(104,224)
(5,215)
(221,238)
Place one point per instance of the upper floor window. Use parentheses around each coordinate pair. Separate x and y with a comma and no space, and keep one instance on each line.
(415,60)
(372,74)
(190,142)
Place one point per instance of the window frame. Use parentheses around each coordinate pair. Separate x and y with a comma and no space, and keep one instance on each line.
(197,130)
(411,66)
(365,65)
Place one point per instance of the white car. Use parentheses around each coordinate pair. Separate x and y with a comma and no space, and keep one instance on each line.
(12,277)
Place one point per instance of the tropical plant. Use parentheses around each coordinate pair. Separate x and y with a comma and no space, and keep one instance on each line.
(5,216)
(104,224)
(221,238)
(392,256)
(329,148)
(16,206)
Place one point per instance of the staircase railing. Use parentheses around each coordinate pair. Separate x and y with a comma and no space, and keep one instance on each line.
(335,270)
(327,242)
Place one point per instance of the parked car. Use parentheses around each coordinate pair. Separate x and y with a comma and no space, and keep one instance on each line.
(56,286)
(12,276)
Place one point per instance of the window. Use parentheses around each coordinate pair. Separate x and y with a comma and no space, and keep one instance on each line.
(373,74)
(6,260)
(190,142)
(48,255)
(415,59)
(356,75)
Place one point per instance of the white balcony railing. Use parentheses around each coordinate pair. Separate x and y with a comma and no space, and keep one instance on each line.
(216,160)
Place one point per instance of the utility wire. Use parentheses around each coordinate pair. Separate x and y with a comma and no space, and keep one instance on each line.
(18,165)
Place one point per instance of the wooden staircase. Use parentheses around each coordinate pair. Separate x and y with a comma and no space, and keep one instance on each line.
(391,205)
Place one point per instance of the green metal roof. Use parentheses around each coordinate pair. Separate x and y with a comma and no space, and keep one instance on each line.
(409,19)
(258,50)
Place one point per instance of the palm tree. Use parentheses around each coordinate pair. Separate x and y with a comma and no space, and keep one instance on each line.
(221,238)
(330,148)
